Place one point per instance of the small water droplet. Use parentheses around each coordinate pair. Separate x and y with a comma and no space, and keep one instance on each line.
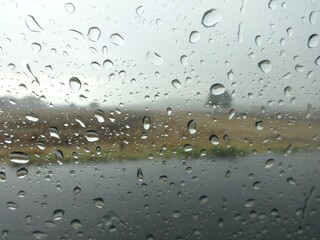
(107,64)
(214,139)
(99,115)
(140,175)
(59,156)
(12,205)
(217,89)
(32,24)
(98,202)
(36,47)
(76,224)
(291,181)
(169,111)
(232,112)
(154,58)
(117,39)
(22,172)
(58,214)
(203,199)
(287,91)
(194,37)
(39,234)
(269,163)
(75,84)
(140,10)
(32,117)
(53,132)
(259,125)
(187,147)
(211,18)
(313,41)
(265,66)
(317,61)
(19,157)
(146,122)
(272,4)
(258,40)
(176,83)
(80,121)
(91,136)
(76,191)
(249,203)
(313,17)
(184,60)
(192,127)
(94,34)
(3,176)
(69,7)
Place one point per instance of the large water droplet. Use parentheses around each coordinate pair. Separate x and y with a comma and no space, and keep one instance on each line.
(107,64)
(32,117)
(22,172)
(313,41)
(12,205)
(75,84)
(19,157)
(146,122)
(184,60)
(32,24)
(99,115)
(91,136)
(94,34)
(154,58)
(58,214)
(76,224)
(140,175)
(214,139)
(265,66)
(69,7)
(117,39)
(176,83)
(211,18)
(53,132)
(259,125)
(192,126)
(194,37)
(217,89)
(98,202)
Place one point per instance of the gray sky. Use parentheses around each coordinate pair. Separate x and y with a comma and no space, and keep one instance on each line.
(164,27)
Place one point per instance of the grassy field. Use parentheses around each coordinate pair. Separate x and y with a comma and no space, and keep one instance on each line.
(123,137)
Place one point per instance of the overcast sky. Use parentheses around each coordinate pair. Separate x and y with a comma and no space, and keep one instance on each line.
(164,28)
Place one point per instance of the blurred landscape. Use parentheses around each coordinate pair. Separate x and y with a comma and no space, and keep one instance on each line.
(68,133)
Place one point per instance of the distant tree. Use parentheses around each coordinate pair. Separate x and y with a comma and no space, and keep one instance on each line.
(223,101)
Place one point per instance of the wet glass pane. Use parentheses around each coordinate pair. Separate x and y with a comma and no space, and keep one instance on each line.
(159,119)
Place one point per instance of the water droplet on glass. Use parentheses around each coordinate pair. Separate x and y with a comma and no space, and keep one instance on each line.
(94,34)
(249,203)
(232,112)
(75,84)
(313,41)
(187,147)
(265,66)
(107,64)
(272,4)
(36,47)
(117,39)
(287,91)
(291,181)
(192,127)
(176,83)
(313,17)
(184,60)
(217,89)
(69,7)
(169,111)
(269,163)
(19,157)
(76,224)
(259,125)
(140,10)
(140,175)
(53,132)
(76,191)
(214,139)
(91,136)
(194,37)
(59,156)
(98,202)
(58,214)
(317,61)
(22,172)
(203,199)
(154,58)
(146,122)
(32,117)
(3,176)
(99,115)
(80,121)
(211,18)
(12,205)
(32,24)
(258,40)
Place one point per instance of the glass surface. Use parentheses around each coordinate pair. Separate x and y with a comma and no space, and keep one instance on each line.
(159,119)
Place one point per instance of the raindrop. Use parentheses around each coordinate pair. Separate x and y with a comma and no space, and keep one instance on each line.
(184,60)
(269,163)
(117,39)
(59,156)
(140,10)
(39,234)
(259,125)
(154,58)
(36,47)
(58,214)
(32,24)
(146,122)
(214,139)
(140,175)
(12,205)
(94,34)
(211,18)
(187,148)
(76,191)
(192,127)
(53,132)
(98,202)
(176,83)
(22,172)
(287,91)
(217,89)
(265,66)
(249,203)
(203,199)
(291,181)
(313,17)
(169,111)
(317,61)
(3,176)
(232,112)
(91,136)
(69,7)
(313,41)
(75,84)
(80,121)
(272,4)
(258,40)
(194,37)
(32,117)
(19,157)
(76,224)
(95,65)
(99,115)
(107,64)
